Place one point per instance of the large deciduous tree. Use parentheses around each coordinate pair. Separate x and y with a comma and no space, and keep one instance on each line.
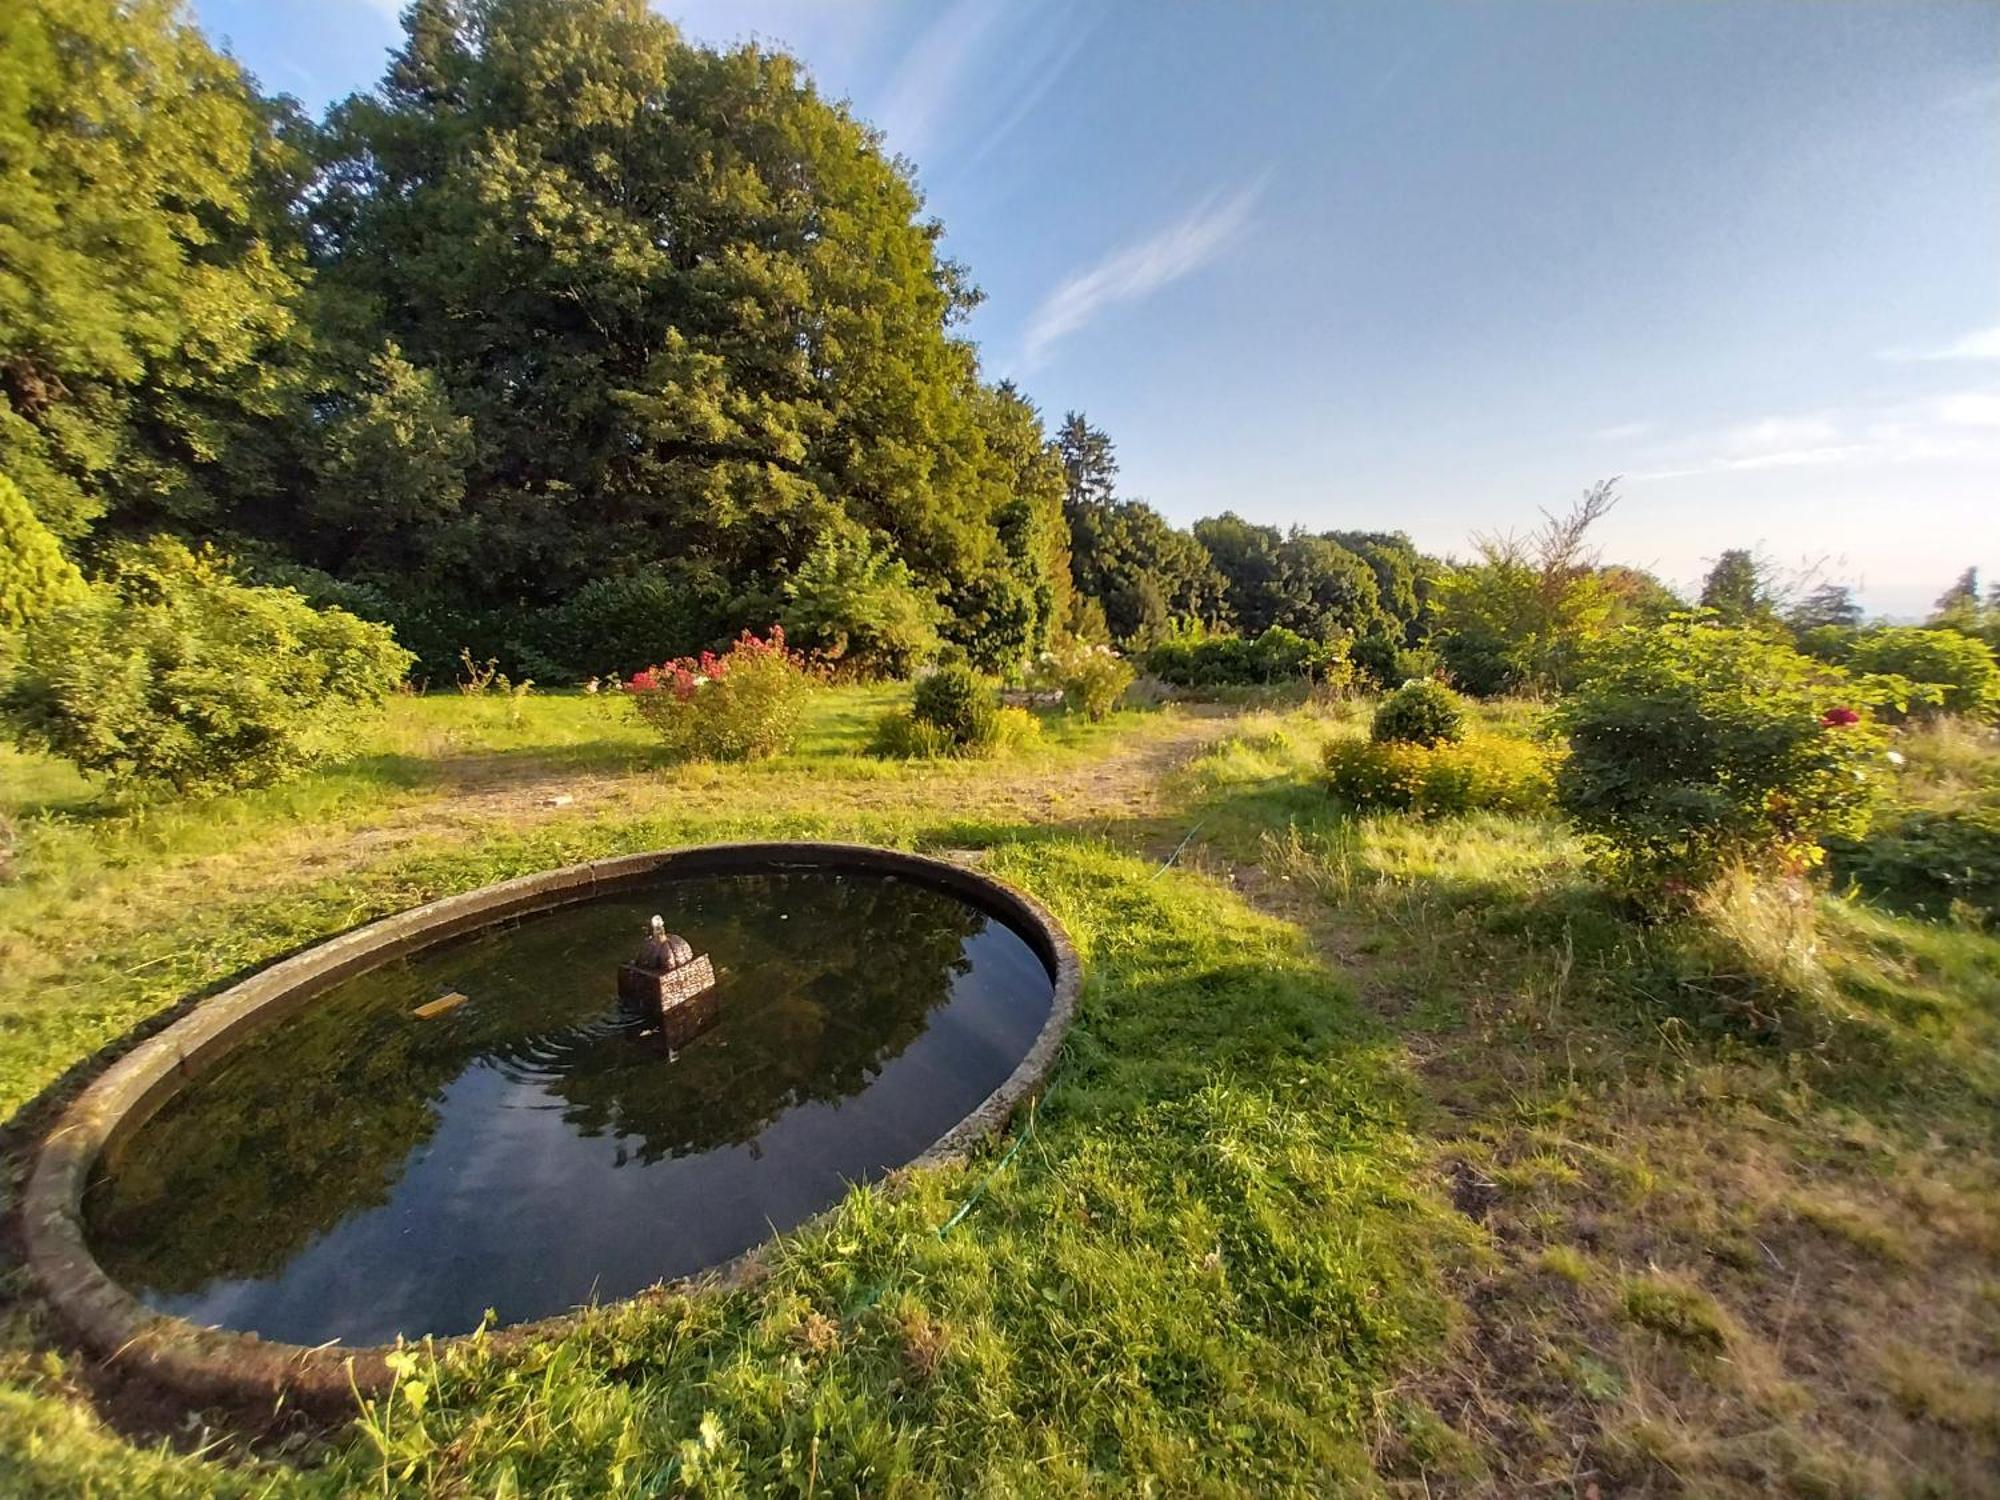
(691,312)
(149,276)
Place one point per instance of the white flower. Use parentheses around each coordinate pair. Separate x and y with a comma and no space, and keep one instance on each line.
(1895,758)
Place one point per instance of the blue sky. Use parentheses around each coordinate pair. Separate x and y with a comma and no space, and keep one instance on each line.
(1432,267)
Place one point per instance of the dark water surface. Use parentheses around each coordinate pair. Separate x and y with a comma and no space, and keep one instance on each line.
(355,1173)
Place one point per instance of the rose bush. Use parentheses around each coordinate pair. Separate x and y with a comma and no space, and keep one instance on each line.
(744,704)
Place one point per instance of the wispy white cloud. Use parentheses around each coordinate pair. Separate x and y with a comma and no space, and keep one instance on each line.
(1954,425)
(1043,66)
(1984,344)
(1140,269)
(931,74)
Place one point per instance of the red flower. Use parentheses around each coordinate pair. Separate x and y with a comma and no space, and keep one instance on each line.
(1839,718)
(642,682)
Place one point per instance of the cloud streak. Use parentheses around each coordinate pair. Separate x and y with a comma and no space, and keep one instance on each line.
(932,73)
(1956,425)
(1138,270)
(1984,344)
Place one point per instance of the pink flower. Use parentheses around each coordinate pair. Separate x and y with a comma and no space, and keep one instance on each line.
(1839,718)
(643,682)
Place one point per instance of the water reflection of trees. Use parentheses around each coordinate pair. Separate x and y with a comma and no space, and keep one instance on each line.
(844,986)
(312,1122)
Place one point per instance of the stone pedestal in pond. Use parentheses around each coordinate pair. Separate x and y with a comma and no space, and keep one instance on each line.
(672,985)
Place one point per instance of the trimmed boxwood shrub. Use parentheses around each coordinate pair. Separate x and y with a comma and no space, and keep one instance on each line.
(957,701)
(953,711)
(1420,712)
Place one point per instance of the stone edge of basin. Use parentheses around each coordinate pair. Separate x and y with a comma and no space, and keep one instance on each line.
(214,1365)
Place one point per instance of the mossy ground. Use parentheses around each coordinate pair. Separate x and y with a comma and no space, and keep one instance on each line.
(1385,1156)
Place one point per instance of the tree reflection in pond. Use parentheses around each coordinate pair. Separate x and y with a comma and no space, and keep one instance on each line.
(355,1172)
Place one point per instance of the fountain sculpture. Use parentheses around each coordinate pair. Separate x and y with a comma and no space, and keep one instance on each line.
(671,984)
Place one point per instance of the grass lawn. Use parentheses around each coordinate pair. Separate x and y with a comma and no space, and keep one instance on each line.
(1385,1157)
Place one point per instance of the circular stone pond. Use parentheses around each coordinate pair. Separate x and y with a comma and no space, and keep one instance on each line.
(452,1111)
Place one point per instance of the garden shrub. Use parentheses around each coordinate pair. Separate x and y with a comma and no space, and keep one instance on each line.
(1694,747)
(1092,679)
(1197,660)
(1382,661)
(742,705)
(35,578)
(858,608)
(1952,673)
(954,711)
(1420,712)
(1486,773)
(958,701)
(615,627)
(901,735)
(171,670)
(1929,859)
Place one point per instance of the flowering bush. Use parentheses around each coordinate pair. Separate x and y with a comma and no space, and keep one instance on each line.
(1420,712)
(742,705)
(1489,773)
(1695,747)
(1092,679)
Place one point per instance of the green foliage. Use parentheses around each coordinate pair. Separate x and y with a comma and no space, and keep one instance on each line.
(695,316)
(1961,668)
(853,604)
(1310,584)
(901,735)
(746,704)
(1382,661)
(958,702)
(149,276)
(1930,860)
(173,671)
(614,626)
(1696,746)
(1197,659)
(1092,679)
(1420,712)
(35,578)
(390,459)
(1738,588)
(1518,618)
(1145,573)
(1486,773)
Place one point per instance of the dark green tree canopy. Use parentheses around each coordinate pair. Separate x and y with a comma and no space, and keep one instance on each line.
(689,310)
(1737,588)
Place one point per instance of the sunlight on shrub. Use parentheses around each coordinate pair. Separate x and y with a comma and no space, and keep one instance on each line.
(1695,747)
(1485,773)
(743,705)
(172,671)
(1420,712)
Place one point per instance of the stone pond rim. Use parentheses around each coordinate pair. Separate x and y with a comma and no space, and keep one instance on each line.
(205,1364)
